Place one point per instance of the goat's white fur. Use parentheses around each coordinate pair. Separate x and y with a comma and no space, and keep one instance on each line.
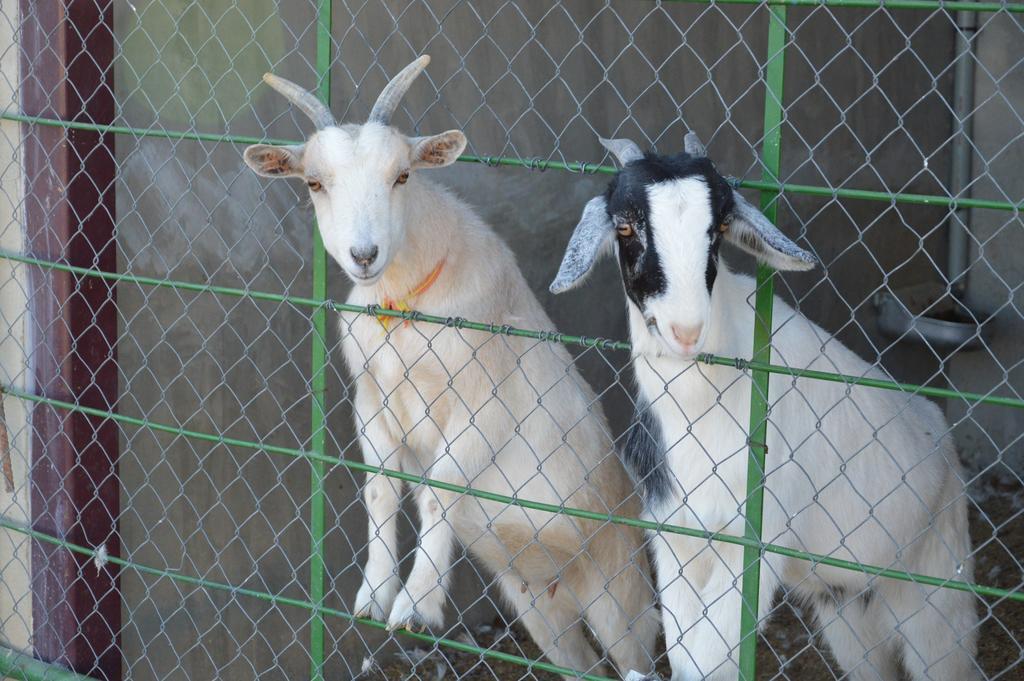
(501,414)
(860,474)
(414,405)
(855,473)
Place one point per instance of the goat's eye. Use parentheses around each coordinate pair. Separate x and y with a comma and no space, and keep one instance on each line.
(625,229)
(314,185)
(402,178)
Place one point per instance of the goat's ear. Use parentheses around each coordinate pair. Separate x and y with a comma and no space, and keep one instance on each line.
(589,240)
(749,229)
(274,161)
(437,151)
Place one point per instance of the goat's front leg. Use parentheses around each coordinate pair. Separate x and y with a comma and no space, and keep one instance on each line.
(382,496)
(380,574)
(420,605)
(701,598)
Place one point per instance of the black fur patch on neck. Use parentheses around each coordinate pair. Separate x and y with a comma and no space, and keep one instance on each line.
(643,456)
(626,195)
(711,273)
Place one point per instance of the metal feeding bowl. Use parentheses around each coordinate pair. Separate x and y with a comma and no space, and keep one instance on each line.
(926,314)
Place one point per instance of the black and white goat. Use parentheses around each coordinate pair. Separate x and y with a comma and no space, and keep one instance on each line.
(501,414)
(855,473)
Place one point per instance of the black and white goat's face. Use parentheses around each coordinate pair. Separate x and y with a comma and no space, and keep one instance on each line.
(666,216)
(357,174)
(666,212)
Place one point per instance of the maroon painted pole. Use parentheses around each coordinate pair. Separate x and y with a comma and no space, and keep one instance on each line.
(67,52)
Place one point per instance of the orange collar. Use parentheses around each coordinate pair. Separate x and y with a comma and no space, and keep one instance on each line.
(403,304)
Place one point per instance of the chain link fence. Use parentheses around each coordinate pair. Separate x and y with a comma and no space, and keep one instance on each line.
(184,487)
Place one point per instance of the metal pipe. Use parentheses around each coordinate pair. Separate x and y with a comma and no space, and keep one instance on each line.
(318,383)
(753,507)
(961,171)
(15,665)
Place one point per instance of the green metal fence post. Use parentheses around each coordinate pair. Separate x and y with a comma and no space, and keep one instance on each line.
(762,351)
(318,381)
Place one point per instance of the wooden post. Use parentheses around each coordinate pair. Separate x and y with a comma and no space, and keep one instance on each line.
(67,52)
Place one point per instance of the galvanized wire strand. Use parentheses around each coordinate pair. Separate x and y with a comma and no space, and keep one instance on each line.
(921,5)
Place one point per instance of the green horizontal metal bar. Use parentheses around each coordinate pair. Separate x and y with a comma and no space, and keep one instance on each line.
(541,164)
(864,381)
(817,559)
(145,132)
(15,665)
(922,5)
(890,197)
(283,600)
(166,283)
(548,336)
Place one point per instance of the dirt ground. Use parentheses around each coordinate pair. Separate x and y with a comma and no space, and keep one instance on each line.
(788,648)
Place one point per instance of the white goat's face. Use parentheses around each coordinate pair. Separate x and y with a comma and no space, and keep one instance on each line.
(357,181)
(668,216)
(357,175)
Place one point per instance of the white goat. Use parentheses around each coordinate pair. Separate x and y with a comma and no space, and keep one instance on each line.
(502,414)
(855,473)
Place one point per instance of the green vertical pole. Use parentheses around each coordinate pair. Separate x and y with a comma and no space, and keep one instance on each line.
(318,380)
(762,350)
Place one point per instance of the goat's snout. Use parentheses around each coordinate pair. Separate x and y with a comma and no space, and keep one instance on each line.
(687,336)
(364,256)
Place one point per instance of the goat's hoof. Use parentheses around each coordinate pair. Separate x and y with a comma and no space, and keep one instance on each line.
(413,623)
(374,603)
(416,616)
(410,621)
(369,611)
(634,675)
(367,607)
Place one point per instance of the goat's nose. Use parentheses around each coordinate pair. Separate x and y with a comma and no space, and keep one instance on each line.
(364,256)
(686,336)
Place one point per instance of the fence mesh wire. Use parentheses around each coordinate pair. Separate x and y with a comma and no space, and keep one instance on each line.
(215,390)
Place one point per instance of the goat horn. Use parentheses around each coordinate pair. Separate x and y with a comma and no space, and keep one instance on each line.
(693,146)
(393,92)
(623,149)
(304,100)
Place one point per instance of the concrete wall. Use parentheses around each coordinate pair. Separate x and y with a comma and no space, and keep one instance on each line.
(526,79)
(990,437)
